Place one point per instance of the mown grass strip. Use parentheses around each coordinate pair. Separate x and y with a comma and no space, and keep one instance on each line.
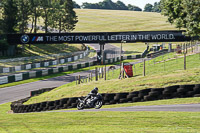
(59,122)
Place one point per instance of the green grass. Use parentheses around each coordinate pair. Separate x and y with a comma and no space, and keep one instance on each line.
(59,122)
(42,50)
(92,20)
(156,77)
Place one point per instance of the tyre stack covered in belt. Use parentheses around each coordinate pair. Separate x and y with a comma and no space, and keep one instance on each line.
(176,91)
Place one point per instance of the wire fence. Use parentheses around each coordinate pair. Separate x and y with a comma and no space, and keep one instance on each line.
(187,58)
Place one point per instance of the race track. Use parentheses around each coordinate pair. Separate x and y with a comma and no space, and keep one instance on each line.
(173,108)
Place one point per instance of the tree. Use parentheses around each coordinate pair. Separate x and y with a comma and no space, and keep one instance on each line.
(86,5)
(133,8)
(9,17)
(35,13)
(69,19)
(108,4)
(121,6)
(46,12)
(76,5)
(148,8)
(183,13)
(23,15)
(156,7)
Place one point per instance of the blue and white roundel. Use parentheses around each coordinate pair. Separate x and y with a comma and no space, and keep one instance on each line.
(24,38)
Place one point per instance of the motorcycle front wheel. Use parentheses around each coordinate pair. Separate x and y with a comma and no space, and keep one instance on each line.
(98,104)
(80,106)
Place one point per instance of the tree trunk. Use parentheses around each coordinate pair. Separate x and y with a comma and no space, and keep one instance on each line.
(32,25)
(60,26)
(35,25)
(46,19)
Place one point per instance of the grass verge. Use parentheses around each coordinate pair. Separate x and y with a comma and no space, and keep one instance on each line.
(59,122)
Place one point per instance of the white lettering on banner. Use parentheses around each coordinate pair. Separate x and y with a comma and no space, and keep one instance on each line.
(55,62)
(32,74)
(3,80)
(46,63)
(18,68)
(37,65)
(62,61)
(119,37)
(6,70)
(75,57)
(69,59)
(28,66)
(44,72)
(18,77)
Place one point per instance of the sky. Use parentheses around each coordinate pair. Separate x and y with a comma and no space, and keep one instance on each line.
(139,3)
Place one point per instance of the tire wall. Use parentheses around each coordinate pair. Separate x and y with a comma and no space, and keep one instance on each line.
(176,91)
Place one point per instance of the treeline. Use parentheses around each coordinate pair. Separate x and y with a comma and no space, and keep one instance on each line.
(119,5)
(109,4)
(23,16)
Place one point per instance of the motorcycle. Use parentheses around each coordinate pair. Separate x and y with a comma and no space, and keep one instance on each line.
(86,102)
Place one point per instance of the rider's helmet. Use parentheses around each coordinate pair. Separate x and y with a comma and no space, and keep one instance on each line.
(96,89)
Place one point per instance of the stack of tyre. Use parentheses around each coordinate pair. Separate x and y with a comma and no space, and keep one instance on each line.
(176,91)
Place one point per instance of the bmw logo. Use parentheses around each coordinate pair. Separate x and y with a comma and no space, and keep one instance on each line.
(24,38)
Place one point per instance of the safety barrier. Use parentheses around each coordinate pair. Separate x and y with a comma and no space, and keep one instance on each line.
(176,91)
(78,55)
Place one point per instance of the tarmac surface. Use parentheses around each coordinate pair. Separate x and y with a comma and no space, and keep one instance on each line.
(10,94)
(171,108)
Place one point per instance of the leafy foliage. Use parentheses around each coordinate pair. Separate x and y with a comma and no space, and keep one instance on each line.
(183,13)
(18,13)
(109,4)
(148,8)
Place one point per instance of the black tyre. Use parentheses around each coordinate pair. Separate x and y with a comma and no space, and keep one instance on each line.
(155,93)
(80,106)
(120,96)
(196,90)
(113,102)
(149,98)
(136,99)
(182,90)
(98,104)
(197,95)
(191,93)
(123,100)
(157,89)
(109,97)
(188,87)
(171,88)
(145,91)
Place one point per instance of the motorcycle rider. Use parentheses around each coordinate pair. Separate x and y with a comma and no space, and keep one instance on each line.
(93,94)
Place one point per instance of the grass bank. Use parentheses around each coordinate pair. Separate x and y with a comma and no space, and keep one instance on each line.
(156,77)
(93,20)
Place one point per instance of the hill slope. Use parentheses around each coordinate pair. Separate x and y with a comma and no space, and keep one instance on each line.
(93,20)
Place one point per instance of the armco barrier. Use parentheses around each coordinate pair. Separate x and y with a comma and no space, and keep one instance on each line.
(176,91)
